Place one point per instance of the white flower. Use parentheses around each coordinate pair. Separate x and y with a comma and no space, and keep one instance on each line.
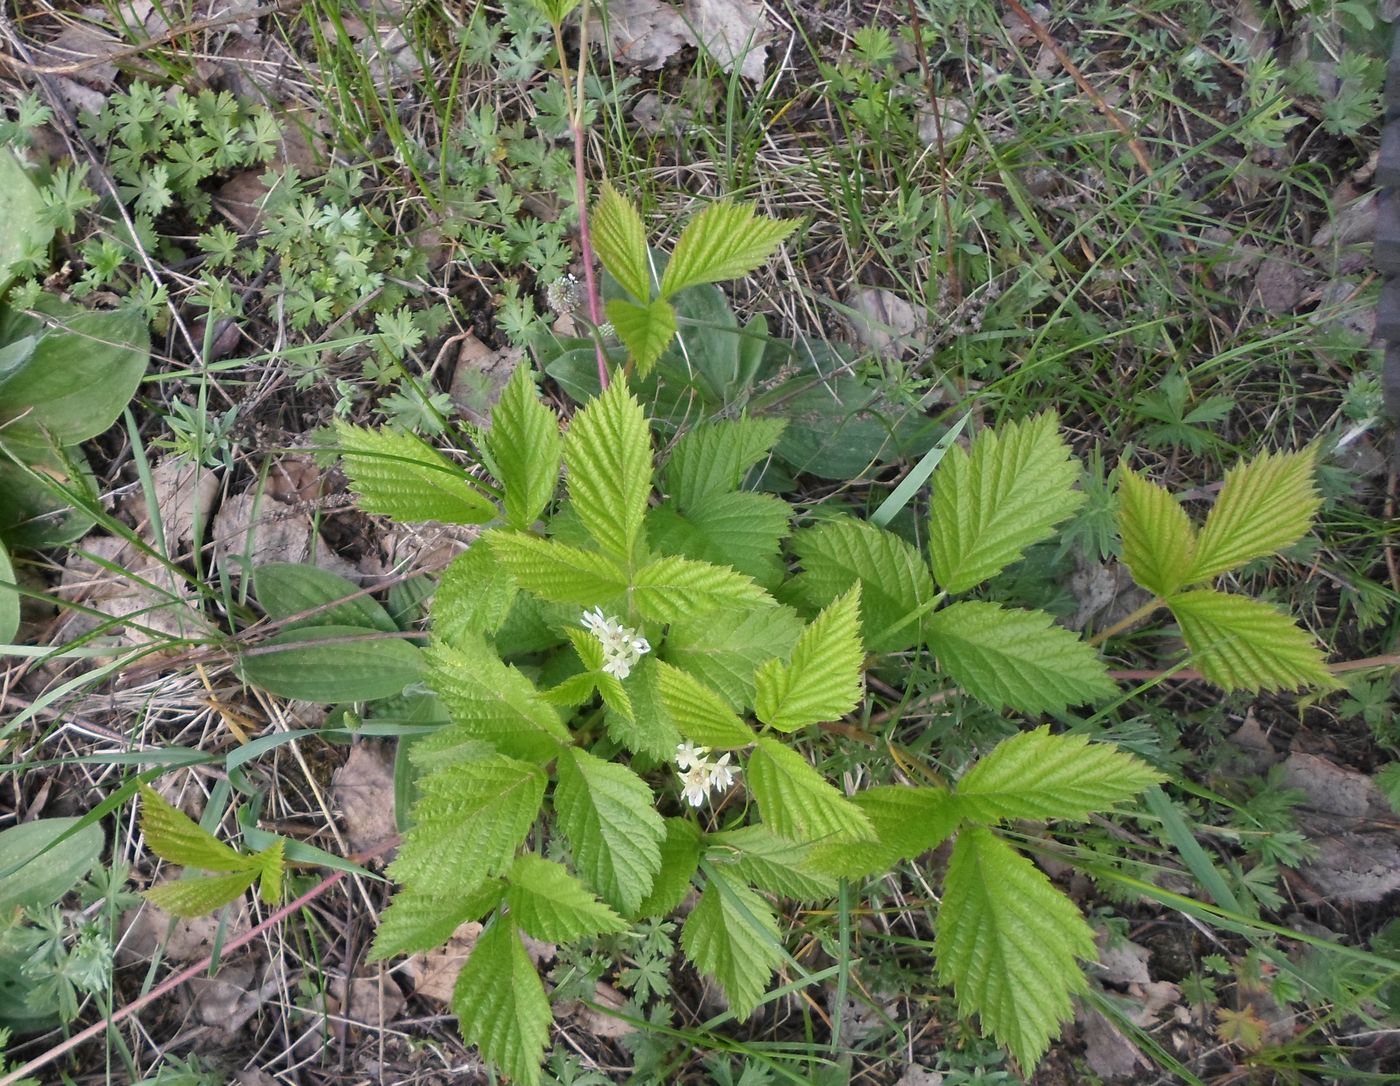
(695,784)
(622,648)
(722,774)
(688,755)
(700,776)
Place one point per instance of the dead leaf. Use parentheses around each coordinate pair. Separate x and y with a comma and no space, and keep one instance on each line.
(230,998)
(159,602)
(1279,284)
(1109,1053)
(368,1001)
(363,791)
(183,492)
(600,1023)
(642,33)
(884,321)
(1121,961)
(144,931)
(435,972)
(1257,750)
(915,1075)
(1333,790)
(480,375)
(735,32)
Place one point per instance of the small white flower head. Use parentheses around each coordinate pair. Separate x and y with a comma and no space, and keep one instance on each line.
(722,773)
(562,295)
(688,755)
(699,776)
(622,648)
(695,784)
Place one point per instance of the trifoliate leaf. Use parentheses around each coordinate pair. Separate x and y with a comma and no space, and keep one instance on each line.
(620,240)
(680,856)
(417,921)
(556,571)
(174,836)
(473,597)
(713,458)
(552,905)
(500,1003)
(698,713)
(608,815)
(1159,543)
(732,936)
(1005,657)
(1243,644)
(894,579)
(1036,775)
(645,330)
(200,896)
(754,855)
(524,448)
(1265,505)
(908,822)
(739,529)
(724,241)
(608,453)
(492,701)
(797,802)
(469,819)
(822,681)
(673,588)
(724,648)
(989,506)
(1009,943)
(397,475)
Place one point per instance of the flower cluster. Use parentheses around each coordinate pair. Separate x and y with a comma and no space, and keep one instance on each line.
(699,775)
(622,648)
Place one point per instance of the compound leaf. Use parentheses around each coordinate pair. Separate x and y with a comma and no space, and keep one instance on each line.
(399,476)
(724,241)
(474,595)
(796,801)
(680,856)
(500,1003)
(735,528)
(724,648)
(908,822)
(822,681)
(1159,543)
(1244,644)
(417,920)
(201,895)
(525,448)
(755,855)
(732,935)
(714,457)
(698,713)
(552,905)
(1264,505)
(174,836)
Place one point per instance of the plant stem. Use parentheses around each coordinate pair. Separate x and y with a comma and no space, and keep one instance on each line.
(171,983)
(1117,628)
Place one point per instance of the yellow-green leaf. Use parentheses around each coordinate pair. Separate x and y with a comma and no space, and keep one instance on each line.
(645,330)
(822,681)
(620,240)
(396,474)
(1244,644)
(1265,505)
(608,453)
(1159,543)
(724,241)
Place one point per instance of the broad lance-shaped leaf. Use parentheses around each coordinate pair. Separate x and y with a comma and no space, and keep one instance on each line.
(608,453)
(620,240)
(1036,775)
(724,648)
(285,589)
(474,595)
(908,822)
(698,713)
(174,836)
(608,815)
(797,802)
(1005,657)
(1159,543)
(680,856)
(191,897)
(822,680)
(894,579)
(1265,505)
(739,529)
(724,241)
(490,700)
(1244,644)
(417,920)
(469,820)
(732,935)
(1009,943)
(500,1003)
(645,330)
(673,588)
(713,458)
(524,447)
(552,905)
(755,855)
(556,571)
(989,506)
(332,664)
(397,475)
(649,730)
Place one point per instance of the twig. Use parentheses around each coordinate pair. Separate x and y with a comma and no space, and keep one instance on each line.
(954,283)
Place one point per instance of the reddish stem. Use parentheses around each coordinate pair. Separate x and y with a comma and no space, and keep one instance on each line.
(585,241)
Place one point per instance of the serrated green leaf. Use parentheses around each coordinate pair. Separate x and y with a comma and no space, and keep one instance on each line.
(1036,775)
(556,571)
(397,475)
(754,855)
(724,648)
(1242,644)
(525,449)
(469,819)
(739,529)
(680,856)
(1265,505)
(271,868)
(724,241)
(620,240)
(328,664)
(473,597)
(797,802)
(608,815)
(698,713)
(649,730)
(894,580)
(417,921)
(713,458)
(552,905)
(674,588)
(645,330)
(1020,659)
(1159,543)
(21,209)
(822,681)
(608,454)
(490,700)
(174,836)
(1387,780)
(289,588)
(501,1005)
(732,936)
(199,896)
(908,822)
(990,505)
(1009,943)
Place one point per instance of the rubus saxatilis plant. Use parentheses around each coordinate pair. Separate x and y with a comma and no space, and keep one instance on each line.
(634,663)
